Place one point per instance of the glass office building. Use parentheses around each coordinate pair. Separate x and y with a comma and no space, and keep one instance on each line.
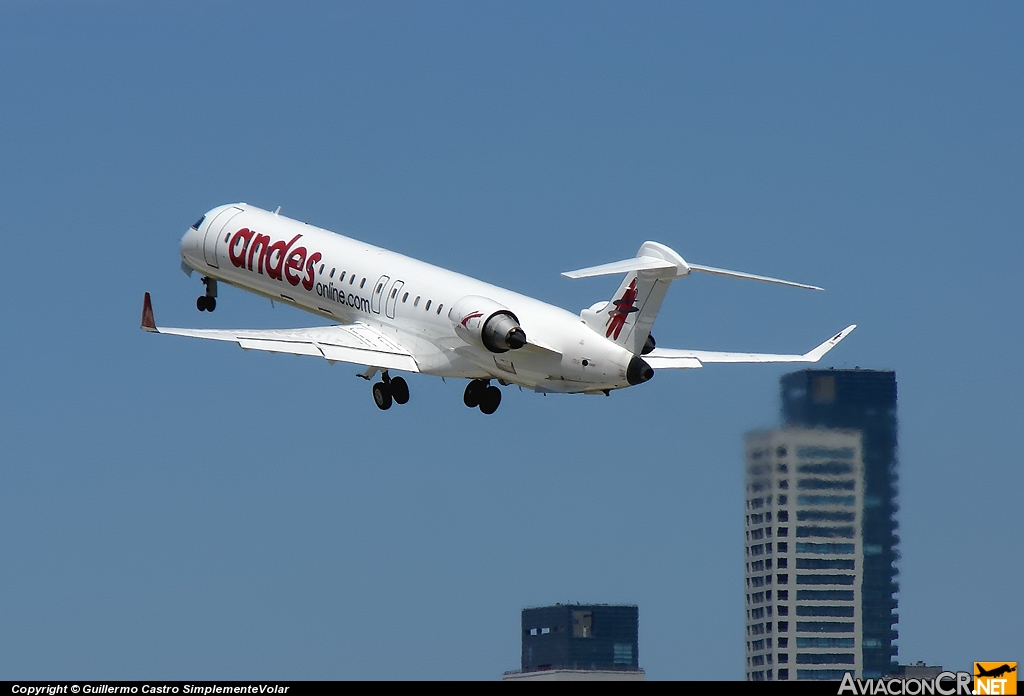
(863,400)
(581,637)
(820,527)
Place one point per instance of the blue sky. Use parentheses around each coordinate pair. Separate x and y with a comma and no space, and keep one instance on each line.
(176,509)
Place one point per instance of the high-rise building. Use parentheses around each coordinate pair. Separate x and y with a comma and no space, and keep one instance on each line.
(820,530)
(580,641)
(803,554)
(863,400)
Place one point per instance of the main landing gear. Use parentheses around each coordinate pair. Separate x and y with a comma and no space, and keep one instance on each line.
(208,302)
(388,390)
(480,394)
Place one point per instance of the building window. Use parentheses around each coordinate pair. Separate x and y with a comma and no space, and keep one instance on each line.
(783,547)
(783,659)
(783,500)
(622,654)
(582,621)
(818,610)
(783,626)
(783,595)
(825,579)
(824,658)
(783,516)
(783,610)
(825,516)
(824,627)
(824,595)
(783,578)
(783,531)
(825,563)
(783,642)
(784,484)
(783,675)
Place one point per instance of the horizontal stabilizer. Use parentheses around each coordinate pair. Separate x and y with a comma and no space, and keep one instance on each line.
(669,358)
(749,276)
(639,263)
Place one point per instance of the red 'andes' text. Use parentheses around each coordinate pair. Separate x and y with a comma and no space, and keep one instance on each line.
(279,260)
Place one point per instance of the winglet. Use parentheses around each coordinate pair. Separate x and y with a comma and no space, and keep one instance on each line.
(816,354)
(148,322)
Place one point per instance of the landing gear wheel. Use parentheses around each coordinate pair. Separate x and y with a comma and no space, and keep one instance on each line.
(399,390)
(474,392)
(490,400)
(382,396)
(201,303)
(211,304)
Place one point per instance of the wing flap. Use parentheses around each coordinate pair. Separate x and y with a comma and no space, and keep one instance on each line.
(293,347)
(667,358)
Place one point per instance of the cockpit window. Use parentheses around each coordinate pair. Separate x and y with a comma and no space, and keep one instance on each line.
(198,222)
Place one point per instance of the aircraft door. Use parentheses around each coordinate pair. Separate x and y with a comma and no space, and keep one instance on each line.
(392,301)
(378,292)
(213,231)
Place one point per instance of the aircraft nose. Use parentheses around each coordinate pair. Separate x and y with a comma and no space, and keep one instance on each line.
(191,241)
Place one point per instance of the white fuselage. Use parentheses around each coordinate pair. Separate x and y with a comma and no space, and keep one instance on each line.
(349,281)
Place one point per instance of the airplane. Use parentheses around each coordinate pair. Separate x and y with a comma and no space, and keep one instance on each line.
(394,313)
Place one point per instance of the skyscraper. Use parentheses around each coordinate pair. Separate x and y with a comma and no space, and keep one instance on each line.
(820,530)
(863,400)
(803,554)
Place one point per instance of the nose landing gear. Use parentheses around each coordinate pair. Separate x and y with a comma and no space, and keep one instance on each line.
(208,302)
(390,390)
(479,394)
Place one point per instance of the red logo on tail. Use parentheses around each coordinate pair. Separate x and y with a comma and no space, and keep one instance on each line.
(623,308)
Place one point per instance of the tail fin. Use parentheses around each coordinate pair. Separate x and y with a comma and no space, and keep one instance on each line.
(628,317)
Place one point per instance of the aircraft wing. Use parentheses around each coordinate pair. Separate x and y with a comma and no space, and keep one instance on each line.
(353,343)
(662,358)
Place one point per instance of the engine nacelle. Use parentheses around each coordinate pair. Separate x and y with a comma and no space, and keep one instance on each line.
(483,322)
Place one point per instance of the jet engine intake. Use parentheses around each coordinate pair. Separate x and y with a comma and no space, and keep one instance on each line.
(483,322)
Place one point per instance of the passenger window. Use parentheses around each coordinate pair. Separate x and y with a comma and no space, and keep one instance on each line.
(394,293)
(351,280)
(227,236)
(416,302)
(332,272)
(362,283)
(439,308)
(322,267)
(380,286)
(426,308)
(405,297)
